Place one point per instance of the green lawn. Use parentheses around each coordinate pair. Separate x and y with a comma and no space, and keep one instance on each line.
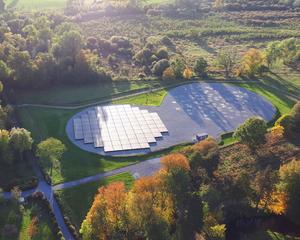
(21,218)
(151,99)
(68,95)
(75,206)
(76,163)
(29,5)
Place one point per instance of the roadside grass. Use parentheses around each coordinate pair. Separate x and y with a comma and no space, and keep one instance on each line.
(76,163)
(30,5)
(76,201)
(12,214)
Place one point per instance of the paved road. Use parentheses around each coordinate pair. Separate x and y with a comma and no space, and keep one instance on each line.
(145,168)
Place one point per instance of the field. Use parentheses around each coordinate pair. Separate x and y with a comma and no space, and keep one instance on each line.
(21,218)
(76,207)
(29,5)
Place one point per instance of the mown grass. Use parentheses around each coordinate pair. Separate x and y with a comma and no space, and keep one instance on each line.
(78,94)
(75,206)
(76,163)
(154,98)
(29,5)
(12,214)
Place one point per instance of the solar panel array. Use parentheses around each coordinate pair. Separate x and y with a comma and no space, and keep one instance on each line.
(118,127)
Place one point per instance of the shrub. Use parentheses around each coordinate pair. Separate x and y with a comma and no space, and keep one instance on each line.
(295,113)
(121,42)
(252,132)
(166,41)
(200,67)
(287,122)
(160,66)
(187,73)
(178,67)
(168,73)
(143,56)
(162,53)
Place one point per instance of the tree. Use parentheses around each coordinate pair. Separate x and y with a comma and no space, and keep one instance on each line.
(160,66)
(4,71)
(21,140)
(200,67)
(50,151)
(187,205)
(6,154)
(227,60)
(273,52)
(187,73)
(290,184)
(178,67)
(252,132)
(252,62)
(288,124)
(295,113)
(107,218)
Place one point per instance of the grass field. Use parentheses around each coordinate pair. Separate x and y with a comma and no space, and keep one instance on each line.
(68,95)
(21,218)
(75,206)
(29,5)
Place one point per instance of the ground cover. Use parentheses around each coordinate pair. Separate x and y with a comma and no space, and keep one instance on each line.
(30,5)
(21,218)
(75,207)
(267,235)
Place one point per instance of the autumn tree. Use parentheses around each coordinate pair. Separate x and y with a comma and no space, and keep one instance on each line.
(107,218)
(187,73)
(252,132)
(187,205)
(20,139)
(50,152)
(252,62)
(290,184)
(151,208)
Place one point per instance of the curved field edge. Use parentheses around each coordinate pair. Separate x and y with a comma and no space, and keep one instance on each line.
(77,163)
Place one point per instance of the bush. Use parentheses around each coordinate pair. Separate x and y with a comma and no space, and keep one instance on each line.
(143,56)
(121,42)
(252,132)
(166,41)
(168,73)
(287,122)
(162,53)
(295,113)
(200,67)
(160,66)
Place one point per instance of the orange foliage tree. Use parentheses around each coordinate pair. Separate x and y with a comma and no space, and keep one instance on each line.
(252,62)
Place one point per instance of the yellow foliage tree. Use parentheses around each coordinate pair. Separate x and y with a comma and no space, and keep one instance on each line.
(168,73)
(252,62)
(187,73)
(275,203)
